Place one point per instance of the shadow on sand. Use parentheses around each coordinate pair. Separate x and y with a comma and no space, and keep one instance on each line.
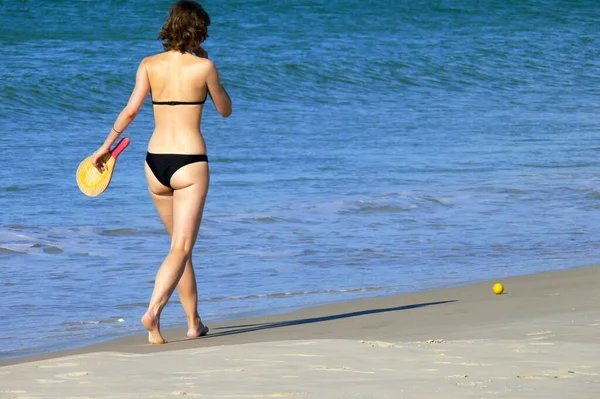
(245,328)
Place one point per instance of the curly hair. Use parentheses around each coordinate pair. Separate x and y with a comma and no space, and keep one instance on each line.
(186,27)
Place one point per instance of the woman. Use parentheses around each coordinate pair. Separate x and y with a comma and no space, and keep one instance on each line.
(179,80)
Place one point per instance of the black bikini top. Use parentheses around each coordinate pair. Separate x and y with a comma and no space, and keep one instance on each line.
(180,102)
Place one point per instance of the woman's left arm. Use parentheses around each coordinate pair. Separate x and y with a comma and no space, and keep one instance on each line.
(136,100)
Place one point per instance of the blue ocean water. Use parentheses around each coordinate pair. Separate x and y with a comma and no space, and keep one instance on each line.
(375,148)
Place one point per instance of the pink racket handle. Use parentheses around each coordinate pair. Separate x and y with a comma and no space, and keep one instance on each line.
(115,152)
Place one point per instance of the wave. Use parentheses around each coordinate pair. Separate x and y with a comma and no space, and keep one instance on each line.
(301,293)
(12,189)
(126,231)
(7,251)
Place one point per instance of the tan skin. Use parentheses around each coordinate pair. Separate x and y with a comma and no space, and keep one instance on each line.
(175,76)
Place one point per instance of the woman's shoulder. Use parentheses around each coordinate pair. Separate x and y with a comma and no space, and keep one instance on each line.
(153,57)
(197,63)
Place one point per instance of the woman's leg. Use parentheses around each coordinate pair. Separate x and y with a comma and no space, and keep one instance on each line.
(188,295)
(187,287)
(181,213)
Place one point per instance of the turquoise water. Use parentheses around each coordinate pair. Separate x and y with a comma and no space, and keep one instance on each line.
(375,148)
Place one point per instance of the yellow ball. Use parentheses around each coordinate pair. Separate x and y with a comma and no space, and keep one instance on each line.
(498,288)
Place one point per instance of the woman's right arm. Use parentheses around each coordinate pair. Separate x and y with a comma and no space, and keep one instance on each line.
(136,100)
(217,92)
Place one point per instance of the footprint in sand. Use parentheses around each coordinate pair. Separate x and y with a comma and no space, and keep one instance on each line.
(539,333)
(343,369)
(205,350)
(300,355)
(467,384)
(472,364)
(561,376)
(379,344)
(539,338)
(584,373)
(435,341)
(544,377)
(261,360)
(298,343)
(210,371)
(451,357)
(55,365)
(128,355)
(531,377)
(477,384)
(75,374)
(50,381)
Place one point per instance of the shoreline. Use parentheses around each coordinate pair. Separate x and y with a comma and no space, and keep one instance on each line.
(418,309)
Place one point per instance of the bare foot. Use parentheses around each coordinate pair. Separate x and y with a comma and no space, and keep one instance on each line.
(196,329)
(153,326)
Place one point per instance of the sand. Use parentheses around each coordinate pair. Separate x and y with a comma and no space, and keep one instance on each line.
(540,339)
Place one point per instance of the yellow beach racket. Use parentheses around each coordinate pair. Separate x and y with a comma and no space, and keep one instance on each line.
(93,182)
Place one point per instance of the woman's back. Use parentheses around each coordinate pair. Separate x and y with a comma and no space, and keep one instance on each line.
(178,86)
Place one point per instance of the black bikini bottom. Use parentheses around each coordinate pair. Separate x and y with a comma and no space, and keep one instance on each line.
(164,166)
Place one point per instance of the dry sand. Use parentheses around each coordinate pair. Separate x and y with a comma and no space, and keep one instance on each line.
(540,339)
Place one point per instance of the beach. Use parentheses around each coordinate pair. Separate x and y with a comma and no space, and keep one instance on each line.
(540,338)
